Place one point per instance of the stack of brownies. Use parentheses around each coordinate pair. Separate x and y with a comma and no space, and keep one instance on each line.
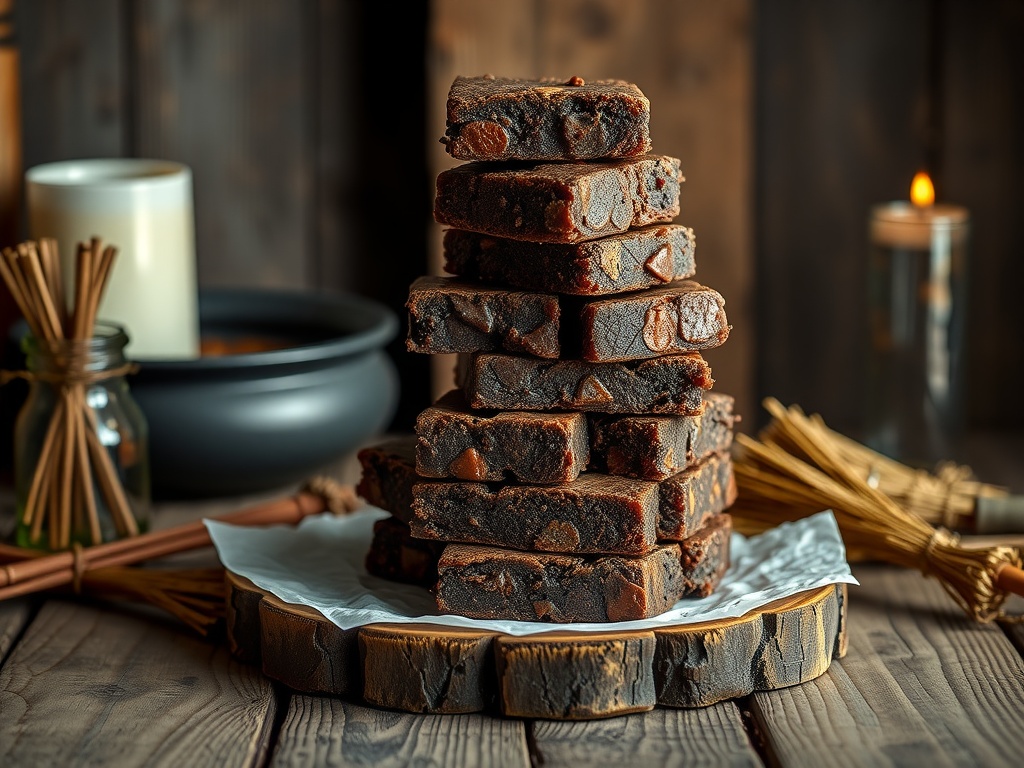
(578,469)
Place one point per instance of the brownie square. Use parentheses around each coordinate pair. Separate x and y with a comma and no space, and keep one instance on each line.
(454,441)
(668,384)
(388,475)
(492,583)
(502,118)
(558,202)
(628,261)
(449,315)
(395,555)
(657,447)
(593,514)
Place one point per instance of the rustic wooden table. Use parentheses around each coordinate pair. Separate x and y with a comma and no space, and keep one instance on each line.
(97,684)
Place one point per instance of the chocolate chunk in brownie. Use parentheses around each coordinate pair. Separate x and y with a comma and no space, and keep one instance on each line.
(630,261)
(689,499)
(493,583)
(451,315)
(706,556)
(667,384)
(558,202)
(388,475)
(527,446)
(592,514)
(656,447)
(395,555)
(683,316)
(501,118)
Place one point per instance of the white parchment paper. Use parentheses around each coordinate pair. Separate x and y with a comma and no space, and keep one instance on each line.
(319,563)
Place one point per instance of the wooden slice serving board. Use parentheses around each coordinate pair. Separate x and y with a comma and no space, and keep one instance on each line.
(556,675)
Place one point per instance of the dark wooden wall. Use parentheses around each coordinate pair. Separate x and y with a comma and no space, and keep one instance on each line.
(312,126)
(302,123)
(852,99)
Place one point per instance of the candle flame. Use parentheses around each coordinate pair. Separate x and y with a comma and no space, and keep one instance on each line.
(922,193)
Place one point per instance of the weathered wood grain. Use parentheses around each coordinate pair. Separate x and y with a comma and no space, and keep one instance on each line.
(792,644)
(670,738)
(238,73)
(299,645)
(420,668)
(89,686)
(563,676)
(921,685)
(336,174)
(242,619)
(329,731)
(14,615)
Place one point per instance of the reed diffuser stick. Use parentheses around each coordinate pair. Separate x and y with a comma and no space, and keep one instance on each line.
(72,460)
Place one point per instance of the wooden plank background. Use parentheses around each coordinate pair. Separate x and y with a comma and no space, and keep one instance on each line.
(312,128)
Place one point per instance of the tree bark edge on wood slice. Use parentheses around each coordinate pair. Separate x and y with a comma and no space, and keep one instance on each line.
(557,675)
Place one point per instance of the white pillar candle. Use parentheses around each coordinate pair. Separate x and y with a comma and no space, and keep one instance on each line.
(144,208)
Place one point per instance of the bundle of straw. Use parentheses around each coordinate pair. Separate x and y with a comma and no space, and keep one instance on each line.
(951,496)
(72,461)
(791,471)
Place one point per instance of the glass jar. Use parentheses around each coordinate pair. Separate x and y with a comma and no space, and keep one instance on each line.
(81,452)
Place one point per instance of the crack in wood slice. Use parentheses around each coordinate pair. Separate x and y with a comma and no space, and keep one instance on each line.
(556,675)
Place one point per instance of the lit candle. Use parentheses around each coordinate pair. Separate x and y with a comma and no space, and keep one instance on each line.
(918,222)
(917,296)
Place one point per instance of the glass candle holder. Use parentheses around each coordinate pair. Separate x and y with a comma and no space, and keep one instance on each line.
(917,294)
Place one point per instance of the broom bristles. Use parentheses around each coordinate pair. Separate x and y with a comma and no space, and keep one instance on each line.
(798,468)
(946,497)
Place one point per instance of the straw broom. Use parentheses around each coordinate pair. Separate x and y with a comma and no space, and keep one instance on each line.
(950,496)
(196,596)
(791,471)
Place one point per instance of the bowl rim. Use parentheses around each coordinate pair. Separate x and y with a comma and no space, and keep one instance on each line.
(379,327)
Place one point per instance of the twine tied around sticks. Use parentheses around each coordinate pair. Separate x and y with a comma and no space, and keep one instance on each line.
(69,377)
(78,567)
(940,538)
(338,498)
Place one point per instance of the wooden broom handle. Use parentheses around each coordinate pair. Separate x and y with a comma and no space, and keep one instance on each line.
(1009,578)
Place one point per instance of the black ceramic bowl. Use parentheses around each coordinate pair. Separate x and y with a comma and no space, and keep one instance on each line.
(240,423)
(235,424)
